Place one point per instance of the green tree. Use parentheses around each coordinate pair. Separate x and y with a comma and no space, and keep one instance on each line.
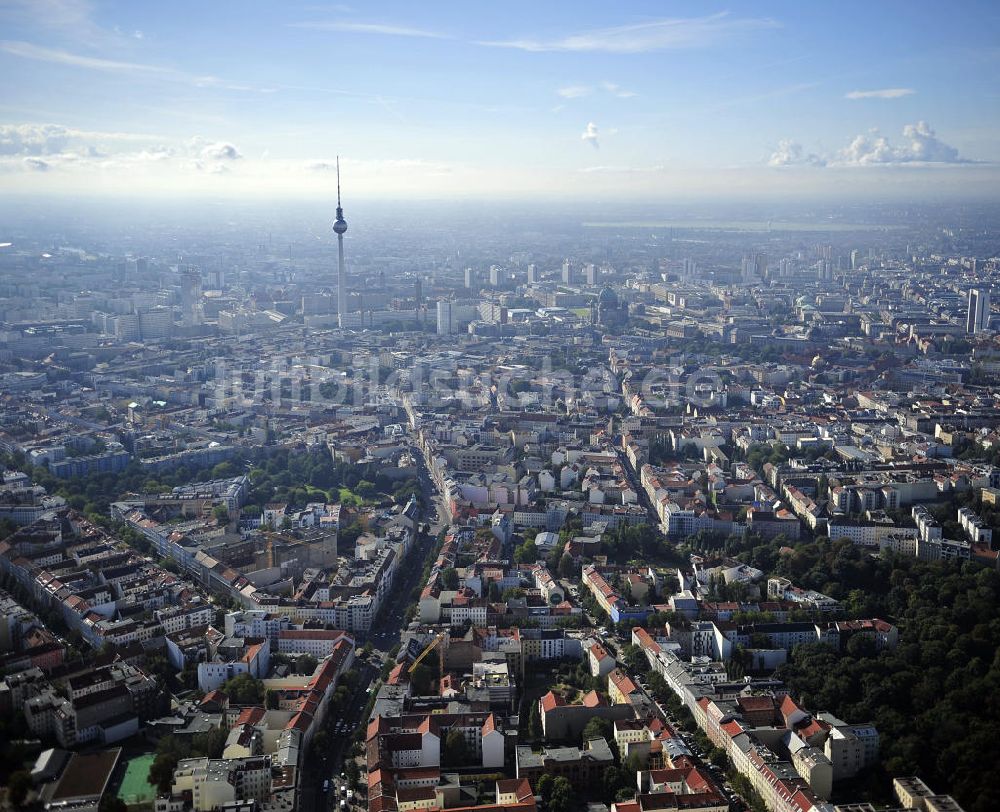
(352,772)
(562,795)
(244,690)
(161,771)
(613,780)
(449,578)
(634,658)
(18,786)
(111,803)
(211,743)
(567,569)
(535,722)
(545,787)
(306,664)
(455,752)
(422,678)
(321,743)
(597,728)
(527,553)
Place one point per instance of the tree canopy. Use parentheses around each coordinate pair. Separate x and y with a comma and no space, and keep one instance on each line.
(935,699)
(244,690)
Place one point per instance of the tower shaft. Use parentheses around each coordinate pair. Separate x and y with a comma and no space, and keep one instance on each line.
(341,278)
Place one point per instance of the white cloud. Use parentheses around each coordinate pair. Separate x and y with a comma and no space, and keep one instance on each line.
(32,139)
(920,147)
(790,153)
(57,148)
(370,28)
(49,139)
(590,135)
(655,35)
(220,151)
(887,93)
(154,155)
(574,91)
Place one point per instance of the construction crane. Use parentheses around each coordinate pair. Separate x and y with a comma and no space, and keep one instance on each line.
(429,648)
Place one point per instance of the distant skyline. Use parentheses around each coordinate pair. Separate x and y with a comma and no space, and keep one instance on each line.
(655,100)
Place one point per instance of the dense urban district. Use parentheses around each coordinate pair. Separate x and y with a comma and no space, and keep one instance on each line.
(545,516)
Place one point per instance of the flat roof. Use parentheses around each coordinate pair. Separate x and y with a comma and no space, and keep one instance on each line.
(87,775)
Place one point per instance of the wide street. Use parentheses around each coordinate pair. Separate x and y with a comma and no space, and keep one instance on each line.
(384,635)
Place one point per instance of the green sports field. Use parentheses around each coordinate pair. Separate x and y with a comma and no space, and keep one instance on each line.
(135,789)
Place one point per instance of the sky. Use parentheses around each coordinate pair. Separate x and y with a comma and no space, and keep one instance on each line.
(657,100)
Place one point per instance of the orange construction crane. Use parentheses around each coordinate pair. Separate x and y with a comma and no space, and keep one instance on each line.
(430,647)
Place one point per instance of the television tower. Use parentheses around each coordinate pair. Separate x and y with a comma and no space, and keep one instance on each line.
(339,227)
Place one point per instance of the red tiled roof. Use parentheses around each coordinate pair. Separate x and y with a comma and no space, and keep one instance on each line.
(623,682)
(249,716)
(551,700)
(755,703)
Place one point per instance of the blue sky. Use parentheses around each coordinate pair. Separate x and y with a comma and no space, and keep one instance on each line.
(541,98)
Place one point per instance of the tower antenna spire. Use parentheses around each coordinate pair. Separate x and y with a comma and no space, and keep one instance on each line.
(338,181)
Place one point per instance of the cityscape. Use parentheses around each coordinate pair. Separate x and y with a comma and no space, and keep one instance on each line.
(359,457)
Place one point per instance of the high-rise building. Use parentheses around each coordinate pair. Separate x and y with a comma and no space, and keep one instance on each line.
(978,318)
(754,266)
(156,323)
(444,321)
(824,270)
(470,277)
(855,259)
(567,272)
(339,227)
(496,276)
(532,274)
(190,297)
(590,273)
(126,327)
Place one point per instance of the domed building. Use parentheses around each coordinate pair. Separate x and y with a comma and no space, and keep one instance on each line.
(608,311)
